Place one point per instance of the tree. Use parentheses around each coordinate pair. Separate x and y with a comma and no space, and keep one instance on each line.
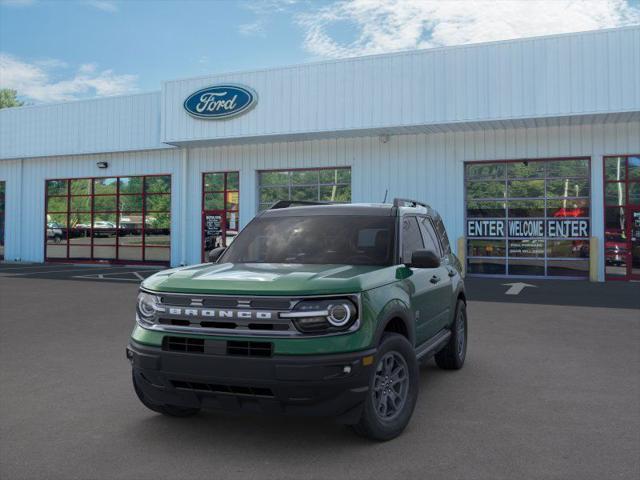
(8,98)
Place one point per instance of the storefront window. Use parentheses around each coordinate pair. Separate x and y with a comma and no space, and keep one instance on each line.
(327,184)
(109,219)
(2,210)
(220,209)
(528,217)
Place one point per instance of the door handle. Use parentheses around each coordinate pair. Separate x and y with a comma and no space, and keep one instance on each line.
(435,279)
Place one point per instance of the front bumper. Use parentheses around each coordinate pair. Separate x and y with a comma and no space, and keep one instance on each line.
(317,385)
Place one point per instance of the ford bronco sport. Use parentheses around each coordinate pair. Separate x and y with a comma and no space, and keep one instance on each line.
(314,310)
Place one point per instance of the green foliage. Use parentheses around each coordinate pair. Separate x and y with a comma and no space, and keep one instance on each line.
(8,98)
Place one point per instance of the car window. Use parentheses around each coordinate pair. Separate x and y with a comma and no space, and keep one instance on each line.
(317,239)
(411,238)
(430,237)
(442,234)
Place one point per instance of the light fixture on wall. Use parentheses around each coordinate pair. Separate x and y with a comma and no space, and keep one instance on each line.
(102,164)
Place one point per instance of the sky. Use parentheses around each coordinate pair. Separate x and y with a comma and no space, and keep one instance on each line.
(59,50)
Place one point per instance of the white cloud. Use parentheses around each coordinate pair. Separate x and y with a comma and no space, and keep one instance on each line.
(252,29)
(36,81)
(104,5)
(390,25)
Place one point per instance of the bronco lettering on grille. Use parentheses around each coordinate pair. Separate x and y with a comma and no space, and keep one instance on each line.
(215,313)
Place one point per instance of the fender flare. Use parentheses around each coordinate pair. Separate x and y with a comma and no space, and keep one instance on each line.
(395,309)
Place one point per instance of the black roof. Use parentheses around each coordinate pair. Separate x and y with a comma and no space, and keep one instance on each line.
(372,209)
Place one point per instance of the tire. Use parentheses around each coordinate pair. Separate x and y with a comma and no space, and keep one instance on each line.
(169,410)
(452,356)
(374,423)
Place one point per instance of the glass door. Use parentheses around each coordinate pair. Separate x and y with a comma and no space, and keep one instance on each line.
(220,210)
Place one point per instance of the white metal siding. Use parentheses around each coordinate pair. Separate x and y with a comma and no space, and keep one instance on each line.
(90,126)
(428,167)
(25,203)
(547,77)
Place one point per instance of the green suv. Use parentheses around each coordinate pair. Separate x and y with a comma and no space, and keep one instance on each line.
(312,310)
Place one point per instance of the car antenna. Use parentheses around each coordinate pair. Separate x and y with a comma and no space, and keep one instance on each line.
(385,195)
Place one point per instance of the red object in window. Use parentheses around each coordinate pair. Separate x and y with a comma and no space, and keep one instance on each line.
(570,212)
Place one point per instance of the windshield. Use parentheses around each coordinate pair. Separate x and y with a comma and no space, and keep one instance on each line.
(318,239)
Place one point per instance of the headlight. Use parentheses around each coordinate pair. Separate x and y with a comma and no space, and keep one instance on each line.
(147,306)
(323,316)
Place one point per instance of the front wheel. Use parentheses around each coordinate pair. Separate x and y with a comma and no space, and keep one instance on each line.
(169,410)
(393,390)
(452,356)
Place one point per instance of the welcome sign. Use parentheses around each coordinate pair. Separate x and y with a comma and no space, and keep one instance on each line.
(529,228)
(219,102)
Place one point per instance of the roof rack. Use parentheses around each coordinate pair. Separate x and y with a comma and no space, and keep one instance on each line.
(405,202)
(296,203)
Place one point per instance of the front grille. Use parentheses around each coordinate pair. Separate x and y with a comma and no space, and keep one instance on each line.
(249,349)
(183,344)
(279,326)
(249,316)
(228,389)
(217,347)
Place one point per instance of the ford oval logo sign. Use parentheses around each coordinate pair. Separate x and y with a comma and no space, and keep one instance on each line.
(220,101)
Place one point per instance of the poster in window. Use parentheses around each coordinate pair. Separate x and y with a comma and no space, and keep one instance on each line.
(213,232)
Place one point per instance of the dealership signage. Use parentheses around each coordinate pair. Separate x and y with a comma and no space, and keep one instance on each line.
(525,228)
(219,102)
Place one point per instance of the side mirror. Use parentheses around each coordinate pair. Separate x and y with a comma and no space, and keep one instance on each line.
(214,254)
(424,259)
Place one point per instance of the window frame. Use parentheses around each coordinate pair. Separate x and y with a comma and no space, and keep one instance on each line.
(289,185)
(401,233)
(91,213)
(627,206)
(427,219)
(506,199)
(225,210)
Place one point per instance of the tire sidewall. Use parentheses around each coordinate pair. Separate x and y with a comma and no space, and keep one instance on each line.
(379,428)
(461,316)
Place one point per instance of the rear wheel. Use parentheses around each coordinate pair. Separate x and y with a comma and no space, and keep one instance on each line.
(452,356)
(169,410)
(393,390)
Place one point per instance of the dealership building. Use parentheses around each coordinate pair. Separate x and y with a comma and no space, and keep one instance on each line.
(529,149)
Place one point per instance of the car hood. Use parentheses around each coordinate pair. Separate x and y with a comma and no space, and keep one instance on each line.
(270,279)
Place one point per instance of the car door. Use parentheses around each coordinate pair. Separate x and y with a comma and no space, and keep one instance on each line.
(440,299)
(422,290)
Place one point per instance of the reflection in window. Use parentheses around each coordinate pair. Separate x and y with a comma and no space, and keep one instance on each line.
(486,248)
(526,169)
(109,218)
(221,203)
(330,185)
(521,195)
(614,193)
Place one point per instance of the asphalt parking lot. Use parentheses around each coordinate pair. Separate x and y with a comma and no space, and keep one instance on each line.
(551,390)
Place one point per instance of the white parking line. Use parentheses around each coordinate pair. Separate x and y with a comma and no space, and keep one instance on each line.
(103,276)
(14,274)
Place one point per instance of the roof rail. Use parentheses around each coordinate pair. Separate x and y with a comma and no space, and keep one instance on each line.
(405,202)
(295,203)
